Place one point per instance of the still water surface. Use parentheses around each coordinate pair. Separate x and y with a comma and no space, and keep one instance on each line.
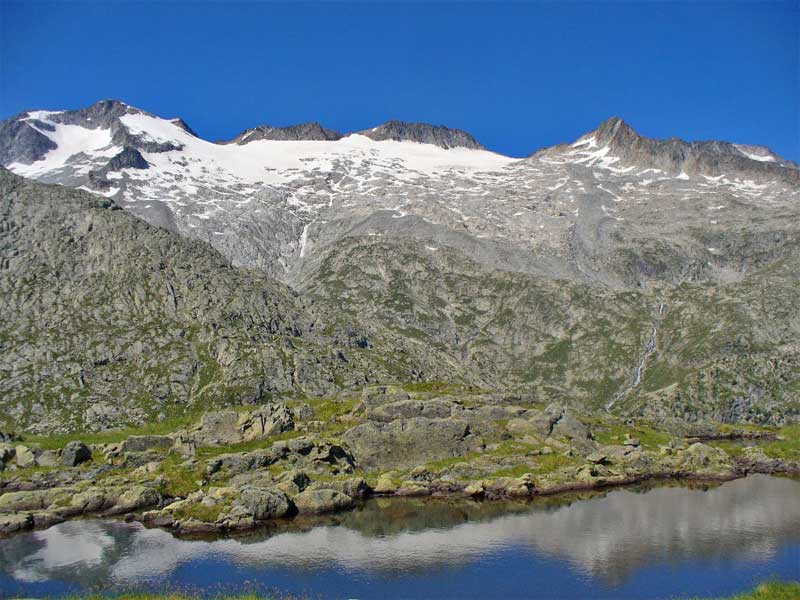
(662,542)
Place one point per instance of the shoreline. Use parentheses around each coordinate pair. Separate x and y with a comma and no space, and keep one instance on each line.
(195,529)
(214,479)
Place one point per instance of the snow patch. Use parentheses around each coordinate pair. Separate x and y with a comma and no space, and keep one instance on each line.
(752,156)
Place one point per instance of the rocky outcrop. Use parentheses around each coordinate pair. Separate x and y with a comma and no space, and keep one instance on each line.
(409,442)
(129,158)
(231,427)
(303,131)
(423,133)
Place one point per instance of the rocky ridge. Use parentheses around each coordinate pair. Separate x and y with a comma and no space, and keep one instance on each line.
(233,470)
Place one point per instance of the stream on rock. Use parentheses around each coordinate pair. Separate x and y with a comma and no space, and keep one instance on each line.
(666,541)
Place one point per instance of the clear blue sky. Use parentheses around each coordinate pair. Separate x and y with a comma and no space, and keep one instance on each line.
(518,76)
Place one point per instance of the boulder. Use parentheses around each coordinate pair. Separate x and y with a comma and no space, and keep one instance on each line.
(701,459)
(144,443)
(218,428)
(569,427)
(229,427)
(7,452)
(386,484)
(49,458)
(293,482)
(135,498)
(75,453)
(264,503)
(13,522)
(598,457)
(408,409)
(322,501)
(266,420)
(24,457)
(355,487)
(475,488)
(407,443)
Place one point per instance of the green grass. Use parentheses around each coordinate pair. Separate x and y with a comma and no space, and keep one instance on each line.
(201,512)
(205,452)
(649,437)
(789,447)
(164,427)
(180,481)
(441,387)
(770,591)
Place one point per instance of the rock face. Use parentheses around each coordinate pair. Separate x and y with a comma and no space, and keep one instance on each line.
(145,318)
(409,442)
(304,131)
(423,133)
(128,158)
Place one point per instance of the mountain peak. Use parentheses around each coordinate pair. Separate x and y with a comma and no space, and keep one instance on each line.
(309,131)
(423,133)
(615,132)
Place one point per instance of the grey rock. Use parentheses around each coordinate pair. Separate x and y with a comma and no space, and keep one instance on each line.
(423,133)
(409,442)
(24,456)
(302,131)
(75,453)
(322,501)
(264,503)
(144,443)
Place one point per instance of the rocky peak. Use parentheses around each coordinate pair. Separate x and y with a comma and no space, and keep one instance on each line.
(183,125)
(615,132)
(423,133)
(102,114)
(676,156)
(312,131)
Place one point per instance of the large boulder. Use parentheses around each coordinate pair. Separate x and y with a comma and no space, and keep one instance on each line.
(75,453)
(702,459)
(264,503)
(13,522)
(135,497)
(569,427)
(230,427)
(407,443)
(322,501)
(269,419)
(24,456)
(408,409)
(144,443)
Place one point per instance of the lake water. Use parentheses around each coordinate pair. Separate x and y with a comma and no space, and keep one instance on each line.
(661,542)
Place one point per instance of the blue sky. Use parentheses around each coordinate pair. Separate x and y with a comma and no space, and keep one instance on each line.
(518,76)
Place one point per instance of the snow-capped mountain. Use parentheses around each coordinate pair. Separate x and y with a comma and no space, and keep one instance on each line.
(275,198)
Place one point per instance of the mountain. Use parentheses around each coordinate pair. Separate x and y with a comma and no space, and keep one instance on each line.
(584,273)
(303,131)
(422,133)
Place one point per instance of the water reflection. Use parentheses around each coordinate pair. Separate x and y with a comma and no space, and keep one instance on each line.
(606,537)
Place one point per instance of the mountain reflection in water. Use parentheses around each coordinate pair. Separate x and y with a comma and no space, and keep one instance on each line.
(606,537)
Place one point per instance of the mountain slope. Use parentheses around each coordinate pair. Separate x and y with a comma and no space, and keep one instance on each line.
(616,273)
(109,320)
